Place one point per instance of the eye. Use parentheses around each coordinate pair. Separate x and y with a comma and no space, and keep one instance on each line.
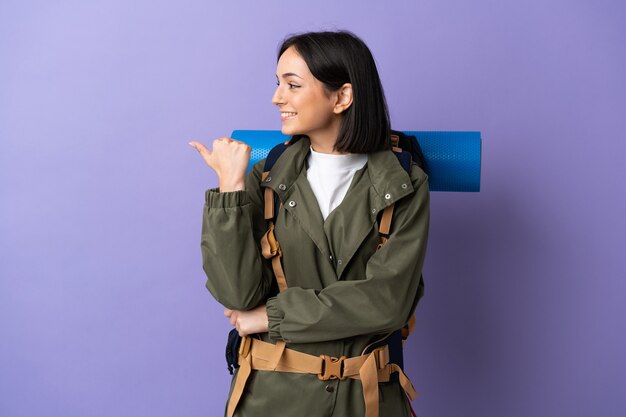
(291,86)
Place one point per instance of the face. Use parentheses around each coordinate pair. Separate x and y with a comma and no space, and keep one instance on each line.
(301,93)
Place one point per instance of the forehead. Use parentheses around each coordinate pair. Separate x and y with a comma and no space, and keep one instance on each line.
(291,62)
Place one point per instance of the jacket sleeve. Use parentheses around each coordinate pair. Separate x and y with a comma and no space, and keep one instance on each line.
(379,303)
(232,225)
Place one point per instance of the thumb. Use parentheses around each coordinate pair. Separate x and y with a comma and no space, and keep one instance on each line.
(202,150)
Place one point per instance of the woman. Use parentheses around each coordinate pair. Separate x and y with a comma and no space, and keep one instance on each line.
(342,293)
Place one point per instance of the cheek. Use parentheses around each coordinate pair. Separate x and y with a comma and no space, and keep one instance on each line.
(312,109)
(322,115)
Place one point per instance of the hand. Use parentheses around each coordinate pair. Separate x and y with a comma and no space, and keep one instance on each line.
(229,158)
(249,322)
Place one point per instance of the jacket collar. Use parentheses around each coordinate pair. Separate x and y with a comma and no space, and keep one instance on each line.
(389,180)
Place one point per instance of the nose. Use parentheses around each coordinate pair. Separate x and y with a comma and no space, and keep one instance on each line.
(277,97)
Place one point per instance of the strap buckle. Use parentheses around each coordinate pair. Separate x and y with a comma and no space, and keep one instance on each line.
(381,355)
(269,245)
(332,368)
(245,346)
(274,246)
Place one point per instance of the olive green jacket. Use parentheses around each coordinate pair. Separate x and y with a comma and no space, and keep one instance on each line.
(342,291)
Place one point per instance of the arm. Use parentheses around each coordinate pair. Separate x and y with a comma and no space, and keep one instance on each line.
(380,303)
(237,274)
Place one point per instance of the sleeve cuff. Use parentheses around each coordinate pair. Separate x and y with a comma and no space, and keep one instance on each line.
(216,199)
(274,316)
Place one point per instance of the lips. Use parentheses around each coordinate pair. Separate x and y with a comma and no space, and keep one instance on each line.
(287,115)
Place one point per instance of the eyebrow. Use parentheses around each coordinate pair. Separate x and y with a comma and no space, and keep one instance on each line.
(287,74)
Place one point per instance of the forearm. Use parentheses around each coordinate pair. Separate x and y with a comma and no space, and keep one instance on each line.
(230,255)
(345,308)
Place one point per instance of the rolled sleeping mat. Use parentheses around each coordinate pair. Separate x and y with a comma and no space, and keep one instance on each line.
(452,158)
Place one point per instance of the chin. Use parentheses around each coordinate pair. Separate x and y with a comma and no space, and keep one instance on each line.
(289,131)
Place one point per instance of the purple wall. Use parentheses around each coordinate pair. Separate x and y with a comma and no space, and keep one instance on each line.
(103,310)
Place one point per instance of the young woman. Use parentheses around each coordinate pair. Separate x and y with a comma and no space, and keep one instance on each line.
(340,292)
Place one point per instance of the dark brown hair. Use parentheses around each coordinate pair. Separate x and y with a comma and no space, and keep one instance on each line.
(340,57)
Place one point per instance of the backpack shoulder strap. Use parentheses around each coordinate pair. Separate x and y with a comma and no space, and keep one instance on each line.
(406,161)
(273,156)
(271,200)
(276,152)
(270,248)
(385,222)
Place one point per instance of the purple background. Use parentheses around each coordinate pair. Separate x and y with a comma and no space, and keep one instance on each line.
(103,310)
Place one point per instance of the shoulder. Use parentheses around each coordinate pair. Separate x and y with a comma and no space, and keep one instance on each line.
(392,166)
(257,169)
(418,176)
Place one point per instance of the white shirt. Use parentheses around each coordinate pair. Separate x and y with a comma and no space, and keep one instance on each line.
(330,176)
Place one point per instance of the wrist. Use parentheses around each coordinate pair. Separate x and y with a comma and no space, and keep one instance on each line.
(230,186)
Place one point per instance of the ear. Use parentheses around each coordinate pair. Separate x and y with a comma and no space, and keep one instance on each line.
(344,98)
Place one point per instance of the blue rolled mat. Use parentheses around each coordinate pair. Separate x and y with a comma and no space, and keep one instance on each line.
(452,158)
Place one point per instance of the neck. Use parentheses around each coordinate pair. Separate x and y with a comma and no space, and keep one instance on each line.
(325,148)
(324,140)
